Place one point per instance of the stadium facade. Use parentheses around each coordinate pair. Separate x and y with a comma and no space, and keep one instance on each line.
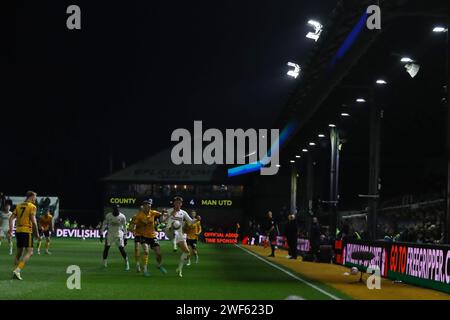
(220,200)
(205,188)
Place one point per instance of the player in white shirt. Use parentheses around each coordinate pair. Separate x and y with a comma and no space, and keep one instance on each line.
(4,227)
(174,230)
(174,243)
(116,224)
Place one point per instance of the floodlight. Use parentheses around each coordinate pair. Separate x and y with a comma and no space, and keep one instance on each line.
(317,30)
(440,29)
(406,60)
(412,69)
(293,73)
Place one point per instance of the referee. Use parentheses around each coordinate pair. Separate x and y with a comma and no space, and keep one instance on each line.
(270,230)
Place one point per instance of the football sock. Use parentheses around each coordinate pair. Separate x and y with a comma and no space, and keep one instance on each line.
(158,260)
(20,266)
(123,253)
(137,258)
(183,259)
(145,258)
(105,252)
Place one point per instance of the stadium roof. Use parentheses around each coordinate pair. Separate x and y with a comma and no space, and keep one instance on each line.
(159,168)
(414,109)
(341,46)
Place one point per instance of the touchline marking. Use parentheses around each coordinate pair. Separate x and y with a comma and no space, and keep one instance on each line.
(290,274)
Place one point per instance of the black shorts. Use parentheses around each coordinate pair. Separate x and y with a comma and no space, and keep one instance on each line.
(45,233)
(192,243)
(24,240)
(139,239)
(152,242)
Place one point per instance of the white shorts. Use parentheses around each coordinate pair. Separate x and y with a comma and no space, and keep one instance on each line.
(3,232)
(168,232)
(115,238)
(179,236)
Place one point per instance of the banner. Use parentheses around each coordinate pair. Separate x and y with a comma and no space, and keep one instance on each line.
(43,204)
(190,202)
(303,245)
(380,259)
(219,237)
(424,265)
(93,234)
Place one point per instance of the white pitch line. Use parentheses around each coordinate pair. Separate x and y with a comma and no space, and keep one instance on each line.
(290,274)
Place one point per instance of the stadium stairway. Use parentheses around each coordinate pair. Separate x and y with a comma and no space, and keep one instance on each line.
(333,276)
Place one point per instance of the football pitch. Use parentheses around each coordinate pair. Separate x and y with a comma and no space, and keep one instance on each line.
(224,272)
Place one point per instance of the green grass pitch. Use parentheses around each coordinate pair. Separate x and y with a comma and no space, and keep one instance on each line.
(224,272)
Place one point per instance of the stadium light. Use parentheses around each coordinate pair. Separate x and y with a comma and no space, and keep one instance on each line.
(293,73)
(440,29)
(292,161)
(298,157)
(332,125)
(317,30)
(361,100)
(312,144)
(278,166)
(304,150)
(345,114)
(406,60)
(381,81)
(412,69)
(321,135)
(411,66)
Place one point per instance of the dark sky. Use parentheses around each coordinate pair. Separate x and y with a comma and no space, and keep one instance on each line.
(135,72)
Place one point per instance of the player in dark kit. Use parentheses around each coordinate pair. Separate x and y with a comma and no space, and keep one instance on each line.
(270,230)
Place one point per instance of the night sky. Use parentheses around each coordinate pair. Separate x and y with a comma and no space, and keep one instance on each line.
(136,71)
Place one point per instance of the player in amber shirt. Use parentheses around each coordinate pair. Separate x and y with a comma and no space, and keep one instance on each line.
(137,226)
(25,215)
(45,230)
(193,230)
(149,238)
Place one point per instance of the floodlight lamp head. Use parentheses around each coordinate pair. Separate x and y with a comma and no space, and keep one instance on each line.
(295,72)
(412,69)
